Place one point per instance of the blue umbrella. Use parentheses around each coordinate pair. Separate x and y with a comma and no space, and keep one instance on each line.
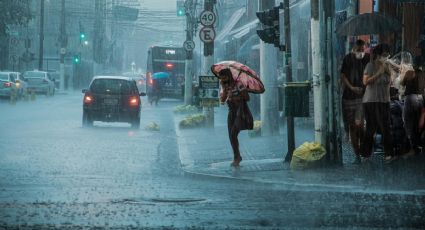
(160,75)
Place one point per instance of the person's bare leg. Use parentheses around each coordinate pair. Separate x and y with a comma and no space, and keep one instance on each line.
(355,141)
(235,146)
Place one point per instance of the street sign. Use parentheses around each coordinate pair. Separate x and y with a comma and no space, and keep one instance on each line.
(207,18)
(189,45)
(207,34)
(208,91)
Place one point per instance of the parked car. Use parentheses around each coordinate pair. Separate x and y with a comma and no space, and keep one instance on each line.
(7,84)
(21,85)
(40,82)
(112,99)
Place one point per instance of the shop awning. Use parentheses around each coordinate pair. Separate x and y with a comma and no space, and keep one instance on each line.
(230,24)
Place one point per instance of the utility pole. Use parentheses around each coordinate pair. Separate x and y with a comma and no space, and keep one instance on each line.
(325,79)
(268,67)
(209,60)
(318,78)
(99,33)
(288,71)
(189,45)
(41,48)
(63,41)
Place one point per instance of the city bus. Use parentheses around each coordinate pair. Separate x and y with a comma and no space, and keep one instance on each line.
(169,59)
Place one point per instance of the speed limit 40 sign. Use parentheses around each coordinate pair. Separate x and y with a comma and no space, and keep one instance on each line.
(207,18)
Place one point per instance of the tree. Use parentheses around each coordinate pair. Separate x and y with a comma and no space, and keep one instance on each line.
(13,12)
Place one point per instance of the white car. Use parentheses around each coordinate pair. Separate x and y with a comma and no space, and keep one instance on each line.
(7,84)
(40,82)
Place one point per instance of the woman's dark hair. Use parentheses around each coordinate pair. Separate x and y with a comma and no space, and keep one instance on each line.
(380,49)
(225,72)
(360,43)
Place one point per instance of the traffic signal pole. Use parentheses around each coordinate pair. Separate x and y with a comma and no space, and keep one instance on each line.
(63,41)
(268,72)
(41,47)
(288,70)
(189,45)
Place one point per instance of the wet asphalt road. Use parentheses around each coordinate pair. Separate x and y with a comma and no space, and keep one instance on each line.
(56,174)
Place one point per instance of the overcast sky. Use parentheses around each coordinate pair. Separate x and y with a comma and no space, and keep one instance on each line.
(159,4)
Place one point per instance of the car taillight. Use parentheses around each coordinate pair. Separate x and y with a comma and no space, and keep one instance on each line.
(134,101)
(7,84)
(88,99)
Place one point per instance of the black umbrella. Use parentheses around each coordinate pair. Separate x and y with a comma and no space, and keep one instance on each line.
(368,23)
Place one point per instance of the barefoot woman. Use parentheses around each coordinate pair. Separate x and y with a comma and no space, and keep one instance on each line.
(239,117)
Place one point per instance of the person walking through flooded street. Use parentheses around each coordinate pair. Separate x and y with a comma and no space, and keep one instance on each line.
(353,66)
(376,102)
(239,116)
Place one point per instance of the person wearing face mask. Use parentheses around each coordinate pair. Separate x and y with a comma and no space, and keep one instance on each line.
(352,69)
(376,102)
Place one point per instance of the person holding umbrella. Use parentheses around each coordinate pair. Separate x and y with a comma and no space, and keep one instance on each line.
(236,80)
(155,91)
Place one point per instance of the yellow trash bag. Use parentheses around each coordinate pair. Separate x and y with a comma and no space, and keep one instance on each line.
(308,155)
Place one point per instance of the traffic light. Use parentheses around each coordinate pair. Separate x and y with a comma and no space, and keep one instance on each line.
(76,58)
(180,8)
(82,36)
(270,33)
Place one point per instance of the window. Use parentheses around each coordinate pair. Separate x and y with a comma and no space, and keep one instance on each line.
(4,77)
(12,77)
(112,86)
(34,75)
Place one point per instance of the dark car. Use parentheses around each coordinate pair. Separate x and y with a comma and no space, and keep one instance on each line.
(112,99)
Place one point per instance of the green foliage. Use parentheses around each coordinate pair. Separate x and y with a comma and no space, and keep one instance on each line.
(192,121)
(185,109)
(13,12)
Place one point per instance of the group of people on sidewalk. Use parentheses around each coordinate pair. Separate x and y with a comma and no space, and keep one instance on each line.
(381,97)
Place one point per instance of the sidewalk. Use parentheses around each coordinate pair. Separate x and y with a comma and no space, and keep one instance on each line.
(207,152)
